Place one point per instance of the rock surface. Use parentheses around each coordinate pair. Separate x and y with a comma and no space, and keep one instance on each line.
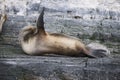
(59,68)
(96,20)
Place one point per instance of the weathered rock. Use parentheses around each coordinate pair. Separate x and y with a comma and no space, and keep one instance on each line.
(88,20)
(59,68)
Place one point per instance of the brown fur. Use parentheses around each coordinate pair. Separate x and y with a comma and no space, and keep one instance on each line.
(50,43)
(36,41)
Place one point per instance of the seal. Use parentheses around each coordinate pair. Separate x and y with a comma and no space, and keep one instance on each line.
(35,40)
(3,18)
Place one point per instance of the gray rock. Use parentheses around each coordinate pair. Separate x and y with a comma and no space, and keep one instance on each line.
(59,68)
(87,20)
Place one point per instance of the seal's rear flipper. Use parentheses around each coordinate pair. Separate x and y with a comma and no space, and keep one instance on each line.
(97,53)
(98,50)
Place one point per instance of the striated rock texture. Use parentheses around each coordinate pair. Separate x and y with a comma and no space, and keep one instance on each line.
(59,68)
(96,20)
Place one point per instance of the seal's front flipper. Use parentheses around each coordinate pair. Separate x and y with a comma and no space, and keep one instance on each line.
(40,22)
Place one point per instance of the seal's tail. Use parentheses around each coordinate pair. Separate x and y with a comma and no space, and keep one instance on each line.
(97,50)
